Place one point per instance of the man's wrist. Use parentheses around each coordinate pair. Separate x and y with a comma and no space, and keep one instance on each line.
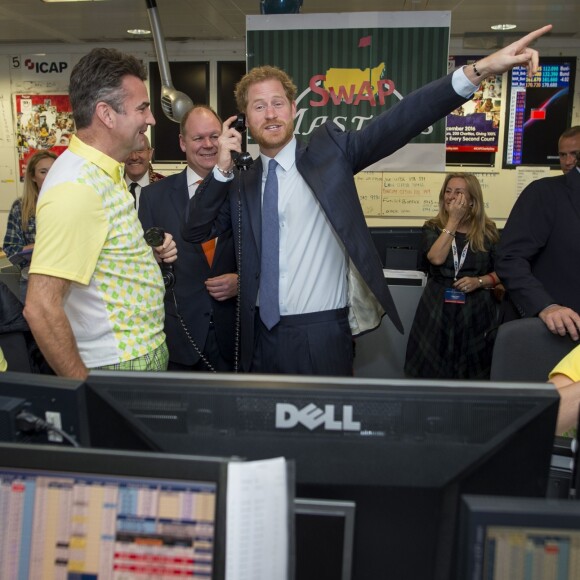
(225,172)
(223,176)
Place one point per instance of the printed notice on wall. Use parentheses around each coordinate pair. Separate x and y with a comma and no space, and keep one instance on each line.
(525,176)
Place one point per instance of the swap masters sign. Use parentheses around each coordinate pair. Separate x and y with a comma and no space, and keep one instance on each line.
(349,68)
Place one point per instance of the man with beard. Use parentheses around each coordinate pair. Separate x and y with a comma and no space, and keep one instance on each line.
(310,275)
(95,291)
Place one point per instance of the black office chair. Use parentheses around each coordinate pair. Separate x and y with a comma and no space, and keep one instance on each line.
(16,341)
(525,350)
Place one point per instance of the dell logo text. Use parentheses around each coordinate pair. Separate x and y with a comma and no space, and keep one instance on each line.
(311,417)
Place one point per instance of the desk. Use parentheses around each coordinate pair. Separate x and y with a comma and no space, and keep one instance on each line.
(381,353)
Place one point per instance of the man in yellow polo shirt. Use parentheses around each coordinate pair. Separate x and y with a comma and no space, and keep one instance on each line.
(95,294)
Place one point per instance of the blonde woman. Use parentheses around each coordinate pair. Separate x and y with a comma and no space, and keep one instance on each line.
(449,337)
(21,227)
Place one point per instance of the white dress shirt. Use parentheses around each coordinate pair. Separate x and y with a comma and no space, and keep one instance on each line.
(313,261)
(143,182)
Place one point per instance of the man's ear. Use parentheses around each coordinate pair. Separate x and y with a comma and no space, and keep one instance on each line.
(105,114)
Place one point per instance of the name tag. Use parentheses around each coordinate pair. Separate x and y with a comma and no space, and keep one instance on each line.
(453,296)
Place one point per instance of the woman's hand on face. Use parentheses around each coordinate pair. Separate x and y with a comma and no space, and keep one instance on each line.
(457,207)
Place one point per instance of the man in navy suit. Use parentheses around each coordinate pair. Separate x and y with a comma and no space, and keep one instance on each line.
(538,256)
(330,284)
(205,287)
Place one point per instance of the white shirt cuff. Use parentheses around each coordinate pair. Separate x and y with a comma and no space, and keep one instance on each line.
(219,176)
(462,85)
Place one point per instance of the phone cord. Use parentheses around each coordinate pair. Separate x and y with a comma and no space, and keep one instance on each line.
(202,357)
(238,297)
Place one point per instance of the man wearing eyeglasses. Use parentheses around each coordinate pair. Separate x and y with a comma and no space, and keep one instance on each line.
(139,171)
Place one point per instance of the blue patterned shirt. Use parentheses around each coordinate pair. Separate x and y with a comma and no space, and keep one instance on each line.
(16,238)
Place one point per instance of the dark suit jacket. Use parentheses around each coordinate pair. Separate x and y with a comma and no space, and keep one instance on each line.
(538,259)
(328,164)
(164,204)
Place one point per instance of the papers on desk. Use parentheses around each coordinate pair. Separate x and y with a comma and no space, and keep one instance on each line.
(414,277)
(258,520)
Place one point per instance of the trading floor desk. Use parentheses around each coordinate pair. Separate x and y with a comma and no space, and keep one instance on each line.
(381,353)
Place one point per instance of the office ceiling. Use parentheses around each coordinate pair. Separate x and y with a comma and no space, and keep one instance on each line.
(33,21)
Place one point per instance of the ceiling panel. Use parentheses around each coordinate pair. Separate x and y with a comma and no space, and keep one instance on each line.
(31,21)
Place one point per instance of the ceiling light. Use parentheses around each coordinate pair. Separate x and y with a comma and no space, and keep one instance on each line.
(55,1)
(139,31)
(503,26)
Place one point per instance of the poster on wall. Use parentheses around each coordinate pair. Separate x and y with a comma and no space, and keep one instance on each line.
(349,68)
(474,126)
(42,122)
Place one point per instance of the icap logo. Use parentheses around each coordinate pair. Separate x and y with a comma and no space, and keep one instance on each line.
(311,416)
(46,67)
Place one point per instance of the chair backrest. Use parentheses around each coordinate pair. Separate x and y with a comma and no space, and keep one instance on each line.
(525,350)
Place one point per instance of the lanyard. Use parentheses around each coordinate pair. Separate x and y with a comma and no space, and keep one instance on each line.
(458,265)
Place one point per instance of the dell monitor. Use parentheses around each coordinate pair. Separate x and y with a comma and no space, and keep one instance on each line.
(402,451)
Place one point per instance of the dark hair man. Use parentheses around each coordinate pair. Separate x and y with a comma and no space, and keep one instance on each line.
(95,294)
(540,247)
(569,148)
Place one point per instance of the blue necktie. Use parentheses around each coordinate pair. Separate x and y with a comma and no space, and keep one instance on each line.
(270,266)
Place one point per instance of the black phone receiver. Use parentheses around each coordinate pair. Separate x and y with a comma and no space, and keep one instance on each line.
(241,160)
(154,237)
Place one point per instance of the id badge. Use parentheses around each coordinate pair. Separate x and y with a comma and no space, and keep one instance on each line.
(453,296)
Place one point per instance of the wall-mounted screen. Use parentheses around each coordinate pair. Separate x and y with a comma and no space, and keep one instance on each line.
(539,110)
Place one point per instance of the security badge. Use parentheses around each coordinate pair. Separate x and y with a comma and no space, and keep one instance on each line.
(453,296)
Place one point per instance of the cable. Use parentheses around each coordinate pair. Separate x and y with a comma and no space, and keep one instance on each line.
(27,423)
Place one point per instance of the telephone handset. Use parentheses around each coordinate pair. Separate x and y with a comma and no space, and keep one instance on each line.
(243,160)
(154,237)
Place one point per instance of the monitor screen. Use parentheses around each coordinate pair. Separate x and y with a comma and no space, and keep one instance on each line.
(56,400)
(78,513)
(519,538)
(539,111)
(402,451)
(397,247)
(330,559)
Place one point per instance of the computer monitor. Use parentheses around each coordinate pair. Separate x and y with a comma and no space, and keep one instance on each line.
(397,247)
(519,538)
(324,539)
(86,513)
(402,451)
(56,400)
